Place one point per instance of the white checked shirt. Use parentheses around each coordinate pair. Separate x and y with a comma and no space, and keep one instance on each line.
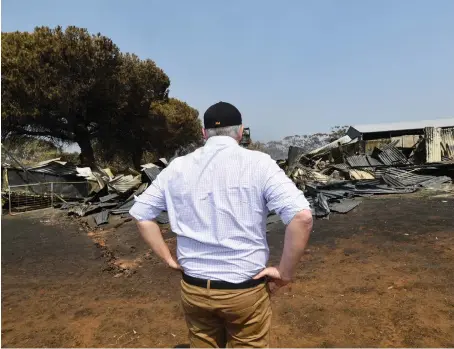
(218,199)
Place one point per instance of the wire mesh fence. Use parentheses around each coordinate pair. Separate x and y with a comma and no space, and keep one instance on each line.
(29,197)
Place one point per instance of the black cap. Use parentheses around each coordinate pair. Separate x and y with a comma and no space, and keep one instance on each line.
(222,114)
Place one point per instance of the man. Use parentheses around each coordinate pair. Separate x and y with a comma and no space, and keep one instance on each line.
(218,198)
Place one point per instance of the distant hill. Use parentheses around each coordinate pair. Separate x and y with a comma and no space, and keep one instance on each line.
(279,149)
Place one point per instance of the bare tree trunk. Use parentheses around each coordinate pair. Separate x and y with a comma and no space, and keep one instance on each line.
(87,156)
(137,158)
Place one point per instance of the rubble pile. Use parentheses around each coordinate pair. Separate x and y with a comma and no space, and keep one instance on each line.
(335,178)
(114,195)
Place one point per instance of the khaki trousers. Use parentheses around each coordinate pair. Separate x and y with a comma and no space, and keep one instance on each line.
(227,318)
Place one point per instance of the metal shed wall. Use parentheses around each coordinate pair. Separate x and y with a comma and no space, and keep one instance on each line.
(447,143)
(433,144)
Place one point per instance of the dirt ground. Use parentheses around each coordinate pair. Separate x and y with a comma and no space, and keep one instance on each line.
(380,276)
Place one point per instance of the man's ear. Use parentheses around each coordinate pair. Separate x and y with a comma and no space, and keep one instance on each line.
(204,133)
(241,132)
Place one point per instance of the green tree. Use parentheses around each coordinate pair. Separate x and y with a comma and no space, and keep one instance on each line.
(182,126)
(75,87)
(59,83)
(135,129)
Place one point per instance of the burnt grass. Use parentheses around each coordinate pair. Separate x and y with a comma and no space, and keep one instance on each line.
(379,276)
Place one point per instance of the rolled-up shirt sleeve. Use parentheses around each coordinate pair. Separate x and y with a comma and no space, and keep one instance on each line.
(151,202)
(281,194)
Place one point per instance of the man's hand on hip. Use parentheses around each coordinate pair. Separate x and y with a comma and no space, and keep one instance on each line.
(174,265)
(275,277)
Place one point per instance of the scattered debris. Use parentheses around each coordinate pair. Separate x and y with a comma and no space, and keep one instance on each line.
(101,217)
(334,176)
(115,194)
(151,171)
(344,206)
(108,197)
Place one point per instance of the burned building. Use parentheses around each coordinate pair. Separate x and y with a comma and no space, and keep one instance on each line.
(434,137)
(378,159)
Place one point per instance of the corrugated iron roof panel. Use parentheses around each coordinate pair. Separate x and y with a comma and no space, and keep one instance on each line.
(447,143)
(408,125)
(344,206)
(152,172)
(433,144)
(56,169)
(108,197)
(341,167)
(401,178)
(363,161)
(101,217)
(333,144)
(391,156)
(124,183)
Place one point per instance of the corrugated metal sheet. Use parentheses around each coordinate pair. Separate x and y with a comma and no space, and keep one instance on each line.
(321,205)
(130,200)
(46,162)
(334,144)
(385,190)
(408,125)
(344,206)
(341,167)
(360,174)
(83,209)
(305,174)
(436,181)
(447,143)
(400,179)
(66,205)
(391,156)
(124,183)
(56,169)
(107,204)
(379,172)
(433,144)
(367,183)
(123,208)
(108,197)
(363,161)
(152,172)
(406,141)
(101,217)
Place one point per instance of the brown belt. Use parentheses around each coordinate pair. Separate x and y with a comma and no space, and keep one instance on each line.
(222,285)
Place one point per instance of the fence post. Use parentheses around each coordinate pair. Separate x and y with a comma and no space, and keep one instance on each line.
(52,194)
(9,200)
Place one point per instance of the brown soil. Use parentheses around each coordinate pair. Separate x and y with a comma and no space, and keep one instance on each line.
(381,276)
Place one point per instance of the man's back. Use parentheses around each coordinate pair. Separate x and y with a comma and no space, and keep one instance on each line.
(218,198)
(218,211)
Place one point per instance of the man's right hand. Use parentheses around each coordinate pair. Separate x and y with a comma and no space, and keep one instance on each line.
(174,265)
(275,277)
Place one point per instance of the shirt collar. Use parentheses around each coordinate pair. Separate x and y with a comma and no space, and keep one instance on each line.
(221,140)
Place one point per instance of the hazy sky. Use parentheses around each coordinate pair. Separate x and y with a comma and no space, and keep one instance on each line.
(291,67)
